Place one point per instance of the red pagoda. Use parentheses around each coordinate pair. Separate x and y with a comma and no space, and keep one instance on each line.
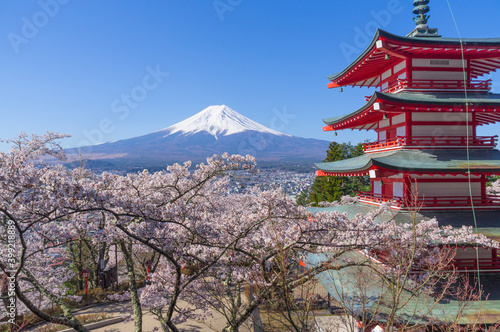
(428,157)
(428,161)
(430,101)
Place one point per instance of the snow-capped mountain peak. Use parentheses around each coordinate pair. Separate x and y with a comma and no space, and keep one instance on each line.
(218,120)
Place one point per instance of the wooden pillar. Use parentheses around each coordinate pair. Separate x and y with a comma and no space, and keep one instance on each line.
(469,71)
(406,188)
(473,124)
(409,69)
(483,182)
(408,123)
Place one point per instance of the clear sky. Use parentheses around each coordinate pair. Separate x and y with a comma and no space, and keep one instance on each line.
(113,69)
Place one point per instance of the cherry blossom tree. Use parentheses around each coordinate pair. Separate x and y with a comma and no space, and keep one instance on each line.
(36,204)
(494,188)
(205,239)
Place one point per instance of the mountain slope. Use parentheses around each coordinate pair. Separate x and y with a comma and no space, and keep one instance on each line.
(215,130)
(218,120)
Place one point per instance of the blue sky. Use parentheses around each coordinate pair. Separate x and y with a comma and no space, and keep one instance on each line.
(69,65)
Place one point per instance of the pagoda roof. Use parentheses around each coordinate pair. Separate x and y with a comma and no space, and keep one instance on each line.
(440,98)
(364,292)
(367,117)
(418,161)
(365,70)
(487,221)
(342,282)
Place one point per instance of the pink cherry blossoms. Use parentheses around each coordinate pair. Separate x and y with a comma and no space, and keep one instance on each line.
(209,244)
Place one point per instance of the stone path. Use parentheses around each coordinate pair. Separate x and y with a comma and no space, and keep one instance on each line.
(149,320)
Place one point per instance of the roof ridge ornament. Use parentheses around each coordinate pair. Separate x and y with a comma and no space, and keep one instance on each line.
(422,30)
(420,10)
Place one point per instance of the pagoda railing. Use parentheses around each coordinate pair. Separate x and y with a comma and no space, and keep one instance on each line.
(440,85)
(479,141)
(472,263)
(432,141)
(446,201)
(379,198)
(384,144)
(458,263)
(431,202)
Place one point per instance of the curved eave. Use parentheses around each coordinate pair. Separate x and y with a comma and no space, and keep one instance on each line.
(367,117)
(418,162)
(474,48)
(364,118)
(486,107)
(444,99)
(360,164)
(490,42)
(370,52)
(367,51)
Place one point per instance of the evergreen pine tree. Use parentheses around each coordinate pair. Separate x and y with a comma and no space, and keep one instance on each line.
(332,188)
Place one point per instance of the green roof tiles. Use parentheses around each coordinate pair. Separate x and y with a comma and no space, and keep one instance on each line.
(344,285)
(453,42)
(441,98)
(450,160)
(430,98)
(361,289)
(488,221)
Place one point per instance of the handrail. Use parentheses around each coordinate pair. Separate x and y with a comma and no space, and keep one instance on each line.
(459,200)
(436,201)
(449,141)
(459,263)
(379,198)
(448,85)
(484,263)
(452,140)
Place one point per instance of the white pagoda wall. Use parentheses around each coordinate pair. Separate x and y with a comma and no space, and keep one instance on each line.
(437,189)
(438,75)
(441,131)
(393,121)
(428,69)
(397,189)
(452,124)
(470,253)
(440,116)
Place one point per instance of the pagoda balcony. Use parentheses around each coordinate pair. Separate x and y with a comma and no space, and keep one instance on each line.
(431,142)
(378,199)
(460,264)
(438,202)
(436,85)
(471,264)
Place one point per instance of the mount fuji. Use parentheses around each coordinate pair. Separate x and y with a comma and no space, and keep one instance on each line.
(215,130)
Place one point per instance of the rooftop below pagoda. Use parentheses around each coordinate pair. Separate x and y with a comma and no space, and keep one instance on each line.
(487,221)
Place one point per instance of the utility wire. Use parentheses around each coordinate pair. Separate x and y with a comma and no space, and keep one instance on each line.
(467,145)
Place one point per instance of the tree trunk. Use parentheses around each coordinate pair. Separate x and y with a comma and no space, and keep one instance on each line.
(257,322)
(68,320)
(134,297)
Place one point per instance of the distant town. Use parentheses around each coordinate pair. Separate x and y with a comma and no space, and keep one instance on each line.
(292,183)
